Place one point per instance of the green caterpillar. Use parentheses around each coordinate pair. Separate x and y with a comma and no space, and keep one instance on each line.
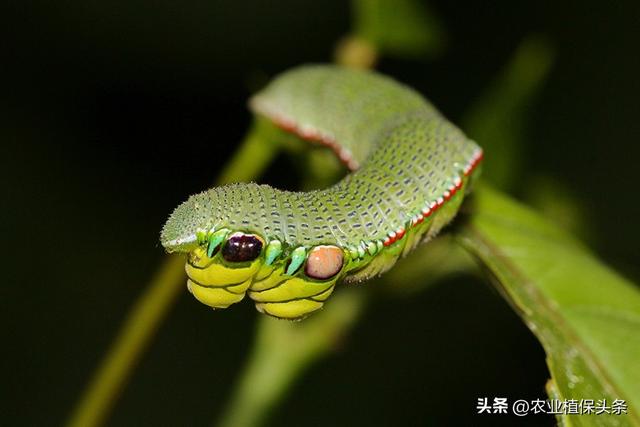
(410,171)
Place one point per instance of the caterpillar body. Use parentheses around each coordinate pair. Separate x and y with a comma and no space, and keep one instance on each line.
(410,170)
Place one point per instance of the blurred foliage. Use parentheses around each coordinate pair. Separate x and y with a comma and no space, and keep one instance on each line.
(553,200)
(404,28)
(498,118)
(283,351)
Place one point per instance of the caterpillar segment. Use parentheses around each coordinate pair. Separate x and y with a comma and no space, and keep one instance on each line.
(411,169)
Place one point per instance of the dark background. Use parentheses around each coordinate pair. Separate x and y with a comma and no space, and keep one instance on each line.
(113,112)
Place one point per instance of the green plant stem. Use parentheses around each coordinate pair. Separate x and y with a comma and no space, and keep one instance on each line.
(256,153)
(251,159)
(136,333)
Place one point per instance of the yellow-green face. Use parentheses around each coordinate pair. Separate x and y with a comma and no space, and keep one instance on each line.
(289,284)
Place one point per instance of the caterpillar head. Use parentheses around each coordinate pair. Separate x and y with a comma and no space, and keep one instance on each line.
(223,265)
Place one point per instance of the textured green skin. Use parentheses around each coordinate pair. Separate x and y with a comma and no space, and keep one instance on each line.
(406,154)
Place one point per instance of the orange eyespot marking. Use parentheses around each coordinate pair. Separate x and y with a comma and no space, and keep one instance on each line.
(324,262)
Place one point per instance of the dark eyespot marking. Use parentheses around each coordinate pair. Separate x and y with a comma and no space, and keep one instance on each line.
(242,247)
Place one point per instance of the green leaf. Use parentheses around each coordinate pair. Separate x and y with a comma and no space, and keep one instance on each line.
(586,316)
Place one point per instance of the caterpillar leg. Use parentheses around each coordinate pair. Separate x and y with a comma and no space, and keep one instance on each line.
(225,266)
(215,284)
